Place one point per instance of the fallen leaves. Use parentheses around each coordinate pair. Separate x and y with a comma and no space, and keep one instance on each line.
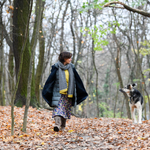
(70,131)
(80,133)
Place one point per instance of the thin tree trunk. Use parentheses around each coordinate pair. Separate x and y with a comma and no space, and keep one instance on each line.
(93,55)
(16,87)
(79,54)
(116,98)
(96,87)
(19,70)
(122,109)
(11,70)
(31,69)
(87,88)
(73,41)
(11,61)
(119,75)
(73,34)
(1,80)
(1,57)
(41,57)
(33,100)
(62,28)
(4,84)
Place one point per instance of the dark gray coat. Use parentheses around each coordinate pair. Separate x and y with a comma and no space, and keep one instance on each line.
(51,88)
(56,94)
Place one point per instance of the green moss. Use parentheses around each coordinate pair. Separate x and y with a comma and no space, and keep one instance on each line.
(20,23)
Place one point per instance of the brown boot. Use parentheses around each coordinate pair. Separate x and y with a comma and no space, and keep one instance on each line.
(63,125)
(58,123)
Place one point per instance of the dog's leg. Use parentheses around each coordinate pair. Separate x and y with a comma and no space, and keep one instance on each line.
(133,113)
(134,118)
(139,109)
(140,115)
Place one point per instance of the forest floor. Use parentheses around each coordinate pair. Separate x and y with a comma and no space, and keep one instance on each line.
(80,133)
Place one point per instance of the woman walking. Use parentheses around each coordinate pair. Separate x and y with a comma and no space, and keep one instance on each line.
(63,89)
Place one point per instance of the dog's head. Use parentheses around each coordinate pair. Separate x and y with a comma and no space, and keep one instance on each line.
(128,89)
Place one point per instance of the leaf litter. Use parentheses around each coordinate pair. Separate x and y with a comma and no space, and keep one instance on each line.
(80,133)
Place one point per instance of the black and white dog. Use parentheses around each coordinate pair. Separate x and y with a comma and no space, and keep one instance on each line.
(136,101)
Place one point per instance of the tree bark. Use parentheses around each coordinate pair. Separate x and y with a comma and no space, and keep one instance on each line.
(62,28)
(1,57)
(79,38)
(73,34)
(20,67)
(20,21)
(116,98)
(96,87)
(11,57)
(33,100)
(41,57)
(95,68)
(31,69)
(119,75)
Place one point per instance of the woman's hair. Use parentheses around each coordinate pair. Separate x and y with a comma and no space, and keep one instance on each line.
(63,56)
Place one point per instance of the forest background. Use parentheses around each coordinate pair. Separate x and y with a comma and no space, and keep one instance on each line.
(110,49)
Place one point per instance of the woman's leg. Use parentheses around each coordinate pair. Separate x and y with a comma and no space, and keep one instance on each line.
(63,123)
(58,123)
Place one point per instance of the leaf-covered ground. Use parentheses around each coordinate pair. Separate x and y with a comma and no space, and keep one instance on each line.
(80,133)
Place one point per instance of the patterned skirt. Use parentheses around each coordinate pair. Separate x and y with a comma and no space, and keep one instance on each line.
(64,107)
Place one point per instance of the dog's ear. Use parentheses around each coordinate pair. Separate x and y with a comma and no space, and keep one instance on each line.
(129,86)
(134,84)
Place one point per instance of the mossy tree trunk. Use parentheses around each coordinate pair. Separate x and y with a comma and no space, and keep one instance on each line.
(11,56)
(11,71)
(20,21)
(31,68)
(33,101)
(41,57)
(24,38)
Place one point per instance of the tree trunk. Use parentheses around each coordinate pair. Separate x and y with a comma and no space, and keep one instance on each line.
(41,57)
(62,28)
(96,87)
(93,55)
(119,75)
(20,21)
(33,101)
(116,98)
(4,84)
(11,71)
(122,109)
(1,58)
(31,69)
(20,60)
(11,61)
(73,34)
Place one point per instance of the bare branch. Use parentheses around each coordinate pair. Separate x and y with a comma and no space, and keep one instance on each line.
(116,7)
(6,36)
(144,13)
